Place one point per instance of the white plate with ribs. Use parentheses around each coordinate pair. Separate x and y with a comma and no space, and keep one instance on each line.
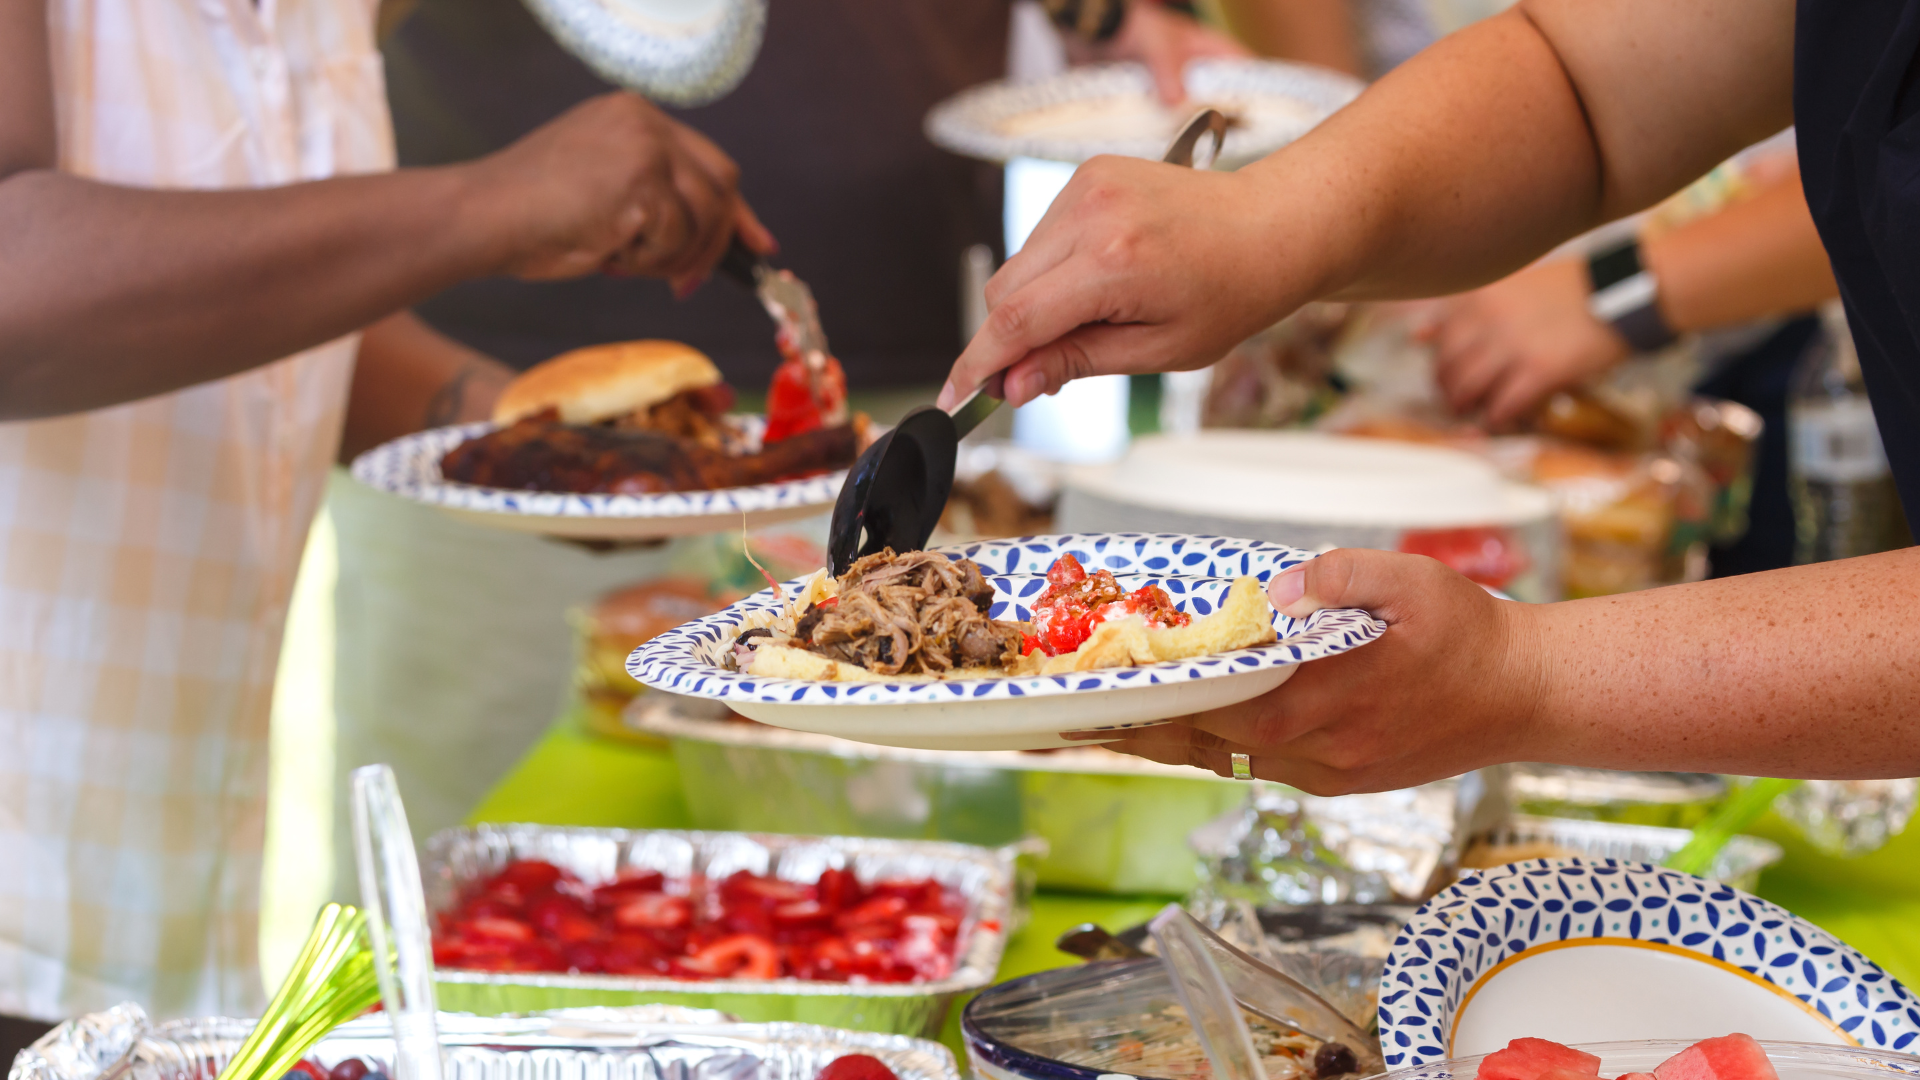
(410,468)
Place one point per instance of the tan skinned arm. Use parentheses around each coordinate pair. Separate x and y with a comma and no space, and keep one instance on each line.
(410,377)
(1757,258)
(1805,672)
(1459,167)
(1503,349)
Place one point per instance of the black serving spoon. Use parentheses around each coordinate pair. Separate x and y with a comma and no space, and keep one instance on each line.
(895,493)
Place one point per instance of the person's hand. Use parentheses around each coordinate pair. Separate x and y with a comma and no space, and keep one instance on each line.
(1451,686)
(1505,348)
(1138,266)
(614,184)
(1164,41)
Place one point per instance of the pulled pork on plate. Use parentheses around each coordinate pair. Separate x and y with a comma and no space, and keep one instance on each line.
(921,615)
(914,614)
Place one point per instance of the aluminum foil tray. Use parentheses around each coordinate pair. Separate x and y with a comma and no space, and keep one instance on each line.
(645,1043)
(1674,800)
(1113,824)
(1739,863)
(457,857)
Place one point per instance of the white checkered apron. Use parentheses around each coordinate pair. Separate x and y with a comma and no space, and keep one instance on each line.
(147,551)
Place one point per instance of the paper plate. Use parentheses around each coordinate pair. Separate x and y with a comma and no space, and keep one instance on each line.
(1598,950)
(410,468)
(1111,109)
(1026,713)
(682,52)
(1793,1061)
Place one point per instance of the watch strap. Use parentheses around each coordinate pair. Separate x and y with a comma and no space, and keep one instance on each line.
(1626,297)
(1094,20)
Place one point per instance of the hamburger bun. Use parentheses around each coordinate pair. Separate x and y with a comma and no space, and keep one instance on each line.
(601,382)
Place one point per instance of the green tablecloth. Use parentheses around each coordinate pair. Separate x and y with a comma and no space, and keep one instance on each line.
(573,777)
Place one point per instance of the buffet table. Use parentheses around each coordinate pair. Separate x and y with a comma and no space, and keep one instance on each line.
(574,777)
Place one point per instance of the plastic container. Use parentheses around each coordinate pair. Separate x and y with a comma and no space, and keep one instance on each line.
(1320,491)
(1088,1022)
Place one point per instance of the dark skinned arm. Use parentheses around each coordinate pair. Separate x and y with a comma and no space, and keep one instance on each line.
(410,377)
(111,293)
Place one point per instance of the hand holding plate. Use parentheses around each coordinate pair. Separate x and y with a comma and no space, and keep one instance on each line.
(1449,687)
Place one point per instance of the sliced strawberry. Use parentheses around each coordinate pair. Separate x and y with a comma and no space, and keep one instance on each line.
(765,890)
(629,884)
(654,911)
(801,913)
(857,1067)
(511,930)
(880,909)
(530,875)
(742,956)
(838,889)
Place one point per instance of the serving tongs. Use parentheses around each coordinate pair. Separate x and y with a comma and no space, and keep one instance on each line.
(401,935)
(897,490)
(789,302)
(1191,951)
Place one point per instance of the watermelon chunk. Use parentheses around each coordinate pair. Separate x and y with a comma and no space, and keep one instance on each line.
(1635,1076)
(1730,1057)
(1533,1059)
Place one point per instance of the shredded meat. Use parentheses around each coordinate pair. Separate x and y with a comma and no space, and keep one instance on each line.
(917,614)
(540,453)
(697,415)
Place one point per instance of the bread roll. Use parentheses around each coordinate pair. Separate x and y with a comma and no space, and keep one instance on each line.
(604,381)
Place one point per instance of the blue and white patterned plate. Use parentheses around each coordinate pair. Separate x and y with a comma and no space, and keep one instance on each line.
(1026,713)
(1600,950)
(410,468)
(1111,109)
(1792,1061)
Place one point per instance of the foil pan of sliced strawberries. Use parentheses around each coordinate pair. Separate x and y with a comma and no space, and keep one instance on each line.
(867,934)
(639,1043)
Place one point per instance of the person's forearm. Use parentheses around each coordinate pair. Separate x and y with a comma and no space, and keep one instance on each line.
(410,377)
(1755,259)
(1812,672)
(1469,160)
(94,277)
(1319,32)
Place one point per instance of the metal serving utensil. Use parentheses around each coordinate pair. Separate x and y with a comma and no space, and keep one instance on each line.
(787,299)
(896,491)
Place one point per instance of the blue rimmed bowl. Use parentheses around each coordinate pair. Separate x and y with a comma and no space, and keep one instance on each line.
(1587,950)
(1026,713)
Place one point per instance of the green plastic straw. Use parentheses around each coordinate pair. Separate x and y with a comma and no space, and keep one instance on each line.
(1739,812)
(332,981)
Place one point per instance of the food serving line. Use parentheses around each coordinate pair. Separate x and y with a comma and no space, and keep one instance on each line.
(645,880)
(955,649)
(575,777)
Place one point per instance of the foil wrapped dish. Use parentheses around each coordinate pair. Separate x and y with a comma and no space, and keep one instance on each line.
(644,1043)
